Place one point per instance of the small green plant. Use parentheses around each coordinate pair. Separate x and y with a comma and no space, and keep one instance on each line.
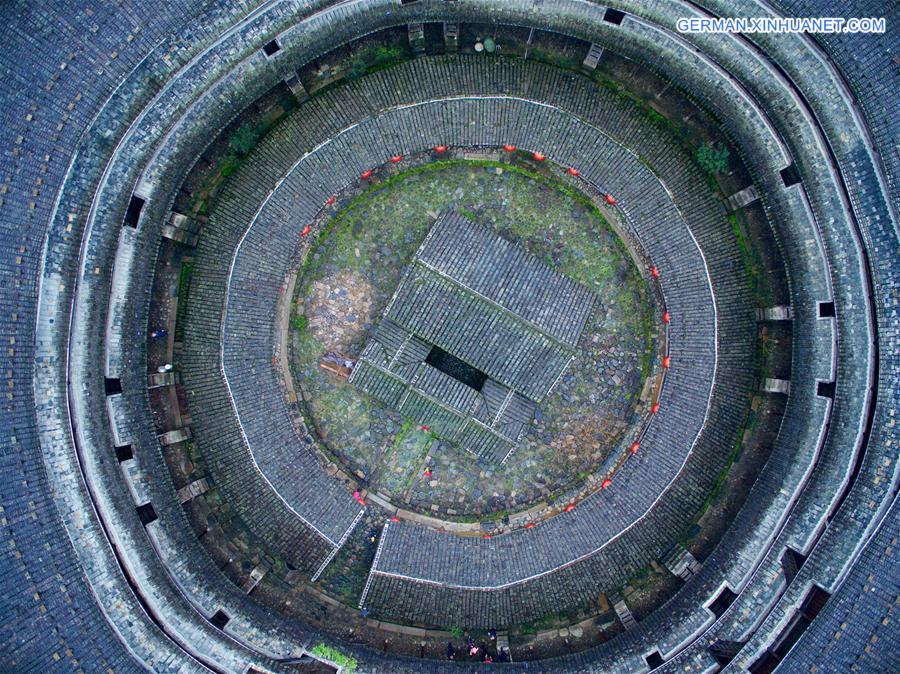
(301,322)
(713,157)
(656,117)
(457,632)
(244,139)
(753,265)
(553,57)
(229,165)
(373,58)
(326,652)
(357,67)
(385,54)
(184,289)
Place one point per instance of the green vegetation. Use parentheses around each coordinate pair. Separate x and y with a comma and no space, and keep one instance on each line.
(326,652)
(539,625)
(362,251)
(244,139)
(184,289)
(357,68)
(306,346)
(192,452)
(762,294)
(618,89)
(647,329)
(722,477)
(409,448)
(554,58)
(229,165)
(585,257)
(300,322)
(723,474)
(373,58)
(642,579)
(549,622)
(713,157)
(753,264)
(240,143)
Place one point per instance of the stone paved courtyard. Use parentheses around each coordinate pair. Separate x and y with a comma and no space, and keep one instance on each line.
(350,276)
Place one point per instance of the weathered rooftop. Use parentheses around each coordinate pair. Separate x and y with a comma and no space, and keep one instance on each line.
(478,331)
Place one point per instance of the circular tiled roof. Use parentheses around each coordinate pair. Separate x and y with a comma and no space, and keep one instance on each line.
(192,518)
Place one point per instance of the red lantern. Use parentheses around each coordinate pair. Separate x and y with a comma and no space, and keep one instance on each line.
(606,484)
(395,519)
(331,200)
(424,427)
(574,172)
(654,272)
(440,149)
(396,159)
(529,525)
(306,230)
(569,508)
(358,498)
(666,317)
(366,174)
(509,148)
(667,361)
(610,200)
(487,536)
(635,446)
(538,156)
(655,408)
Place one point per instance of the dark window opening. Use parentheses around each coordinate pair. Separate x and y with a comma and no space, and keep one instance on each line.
(408,2)
(123,453)
(815,601)
(454,367)
(791,563)
(825,389)
(147,513)
(790,175)
(133,212)
(765,664)
(220,619)
(722,602)
(112,386)
(653,660)
(826,309)
(614,16)
(725,651)
(271,48)
(812,604)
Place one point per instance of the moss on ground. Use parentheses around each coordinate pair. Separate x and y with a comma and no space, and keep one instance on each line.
(757,277)
(375,236)
(184,289)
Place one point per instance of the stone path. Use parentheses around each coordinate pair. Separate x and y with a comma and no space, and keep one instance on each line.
(339,309)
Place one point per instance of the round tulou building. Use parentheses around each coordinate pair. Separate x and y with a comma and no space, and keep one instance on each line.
(441,335)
